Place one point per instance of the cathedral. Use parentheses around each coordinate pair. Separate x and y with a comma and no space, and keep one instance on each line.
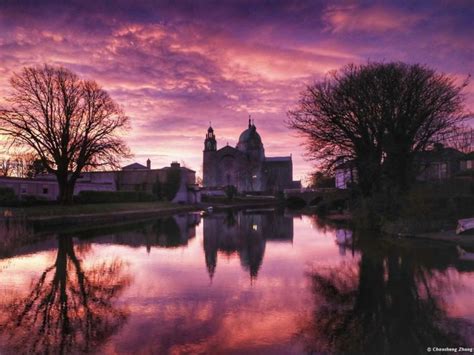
(245,166)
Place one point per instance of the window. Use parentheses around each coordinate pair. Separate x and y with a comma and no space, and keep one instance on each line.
(45,190)
(443,170)
(470,164)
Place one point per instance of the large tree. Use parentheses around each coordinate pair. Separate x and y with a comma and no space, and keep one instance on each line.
(379,115)
(70,123)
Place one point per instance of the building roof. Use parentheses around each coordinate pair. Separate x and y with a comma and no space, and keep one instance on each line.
(468,156)
(229,150)
(348,164)
(277,159)
(20,178)
(180,167)
(439,153)
(134,166)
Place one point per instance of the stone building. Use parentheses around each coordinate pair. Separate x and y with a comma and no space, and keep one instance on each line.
(133,177)
(246,167)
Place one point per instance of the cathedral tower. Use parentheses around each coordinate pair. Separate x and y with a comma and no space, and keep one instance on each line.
(209,163)
(210,144)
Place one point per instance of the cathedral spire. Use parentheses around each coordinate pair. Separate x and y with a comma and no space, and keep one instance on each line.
(250,122)
(210,143)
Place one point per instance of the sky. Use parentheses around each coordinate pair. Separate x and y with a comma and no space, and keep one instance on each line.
(174,66)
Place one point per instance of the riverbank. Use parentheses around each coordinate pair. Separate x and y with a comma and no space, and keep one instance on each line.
(57,215)
(100,213)
(239,204)
(447,236)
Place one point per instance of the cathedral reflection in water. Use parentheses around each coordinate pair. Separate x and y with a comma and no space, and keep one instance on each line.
(245,234)
(229,233)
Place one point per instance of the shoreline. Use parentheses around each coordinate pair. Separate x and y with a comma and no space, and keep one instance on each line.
(110,217)
(130,213)
(448,236)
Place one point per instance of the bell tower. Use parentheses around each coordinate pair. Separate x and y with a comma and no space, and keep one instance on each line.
(210,144)
(209,159)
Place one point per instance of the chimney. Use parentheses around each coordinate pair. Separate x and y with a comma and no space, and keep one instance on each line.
(148,164)
(175,164)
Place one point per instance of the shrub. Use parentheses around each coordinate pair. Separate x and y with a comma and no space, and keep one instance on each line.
(230,191)
(32,200)
(7,197)
(113,196)
(167,190)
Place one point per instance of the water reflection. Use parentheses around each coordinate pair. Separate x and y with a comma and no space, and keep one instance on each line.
(68,308)
(13,234)
(169,232)
(244,234)
(390,302)
(320,289)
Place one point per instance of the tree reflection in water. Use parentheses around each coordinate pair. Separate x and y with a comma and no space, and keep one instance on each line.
(68,308)
(390,303)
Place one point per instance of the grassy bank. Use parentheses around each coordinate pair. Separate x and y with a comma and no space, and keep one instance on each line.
(86,209)
(52,216)
(428,207)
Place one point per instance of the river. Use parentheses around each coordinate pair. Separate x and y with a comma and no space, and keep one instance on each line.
(254,281)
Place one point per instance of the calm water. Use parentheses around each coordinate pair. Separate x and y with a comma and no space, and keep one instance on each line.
(247,282)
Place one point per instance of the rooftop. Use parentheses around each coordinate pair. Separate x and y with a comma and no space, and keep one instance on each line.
(135,166)
(275,159)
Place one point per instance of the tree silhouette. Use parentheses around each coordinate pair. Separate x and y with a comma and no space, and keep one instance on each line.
(72,125)
(69,309)
(388,304)
(380,115)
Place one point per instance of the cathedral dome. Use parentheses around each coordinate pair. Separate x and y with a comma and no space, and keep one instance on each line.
(250,140)
(250,137)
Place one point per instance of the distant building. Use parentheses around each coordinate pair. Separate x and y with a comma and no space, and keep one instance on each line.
(245,166)
(46,187)
(133,177)
(438,163)
(466,164)
(345,174)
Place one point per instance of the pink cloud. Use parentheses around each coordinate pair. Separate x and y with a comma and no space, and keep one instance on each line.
(174,71)
(371,19)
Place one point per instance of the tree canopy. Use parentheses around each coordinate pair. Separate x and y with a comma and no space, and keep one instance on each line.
(70,123)
(379,115)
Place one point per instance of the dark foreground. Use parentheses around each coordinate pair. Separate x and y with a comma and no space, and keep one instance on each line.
(256,281)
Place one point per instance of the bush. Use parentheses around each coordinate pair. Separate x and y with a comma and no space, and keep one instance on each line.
(32,200)
(7,197)
(230,191)
(114,196)
(167,190)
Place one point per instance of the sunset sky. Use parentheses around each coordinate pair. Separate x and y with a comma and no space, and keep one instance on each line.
(176,65)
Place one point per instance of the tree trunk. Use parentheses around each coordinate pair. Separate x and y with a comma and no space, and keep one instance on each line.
(66,190)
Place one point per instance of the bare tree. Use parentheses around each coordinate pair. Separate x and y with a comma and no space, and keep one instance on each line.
(5,167)
(72,124)
(462,139)
(379,115)
(18,164)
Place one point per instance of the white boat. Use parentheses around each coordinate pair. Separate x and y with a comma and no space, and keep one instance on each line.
(464,255)
(464,225)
